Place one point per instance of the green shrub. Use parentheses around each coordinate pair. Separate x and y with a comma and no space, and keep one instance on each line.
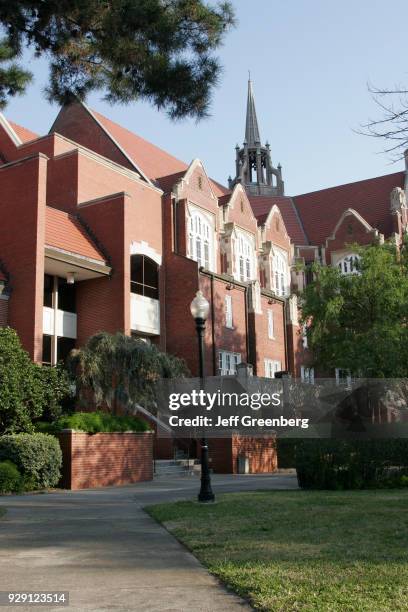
(351,464)
(27,390)
(95,422)
(38,457)
(286,448)
(10,477)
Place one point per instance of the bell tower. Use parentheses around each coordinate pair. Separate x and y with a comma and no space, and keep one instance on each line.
(253,164)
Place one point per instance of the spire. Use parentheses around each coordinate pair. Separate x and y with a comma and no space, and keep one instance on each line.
(251,127)
(253,164)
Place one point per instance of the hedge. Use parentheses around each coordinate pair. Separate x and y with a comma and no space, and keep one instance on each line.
(351,464)
(96,422)
(37,456)
(10,477)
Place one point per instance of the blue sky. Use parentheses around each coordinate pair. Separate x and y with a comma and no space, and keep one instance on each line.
(310,62)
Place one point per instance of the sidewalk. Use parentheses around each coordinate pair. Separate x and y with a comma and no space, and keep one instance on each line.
(108,553)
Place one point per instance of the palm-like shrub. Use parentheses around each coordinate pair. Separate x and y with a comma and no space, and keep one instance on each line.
(118,371)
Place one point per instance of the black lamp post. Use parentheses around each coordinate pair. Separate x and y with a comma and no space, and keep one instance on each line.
(199,309)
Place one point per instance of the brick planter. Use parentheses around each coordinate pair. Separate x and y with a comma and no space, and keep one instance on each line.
(105,459)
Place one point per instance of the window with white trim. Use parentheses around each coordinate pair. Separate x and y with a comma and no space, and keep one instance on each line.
(343,377)
(271,325)
(280,274)
(227,362)
(244,247)
(201,240)
(271,367)
(228,311)
(307,375)
(350,264)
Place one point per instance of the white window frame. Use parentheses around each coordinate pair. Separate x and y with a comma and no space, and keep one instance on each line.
(307,375)
(271,325)
(271,366)
(227,362)
(244,257)
(280,273)
(228,312)
(347,264)
(201,239)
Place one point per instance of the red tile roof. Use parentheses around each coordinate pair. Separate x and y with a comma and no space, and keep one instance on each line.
(155,163)
(65,232)
(321,210)
(167,182)
(261,205)
(23,133)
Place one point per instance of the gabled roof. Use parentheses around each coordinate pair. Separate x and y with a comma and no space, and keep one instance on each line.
(152,160)
(23,133)
(158,165)
(261,205)
(319,211)
(65,232)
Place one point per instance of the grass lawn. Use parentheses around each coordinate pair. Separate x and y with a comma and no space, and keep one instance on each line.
(301,550)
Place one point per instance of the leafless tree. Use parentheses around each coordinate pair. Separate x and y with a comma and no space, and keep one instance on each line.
(393,125)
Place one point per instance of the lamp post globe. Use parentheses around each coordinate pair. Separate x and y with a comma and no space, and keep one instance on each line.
(200,309)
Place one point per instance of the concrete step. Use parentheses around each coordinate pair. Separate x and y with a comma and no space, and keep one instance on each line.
(171,467)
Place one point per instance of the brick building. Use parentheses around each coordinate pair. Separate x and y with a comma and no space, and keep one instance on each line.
(102,230)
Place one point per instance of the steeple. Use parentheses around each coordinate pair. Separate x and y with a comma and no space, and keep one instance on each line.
(254,169)
(251,126)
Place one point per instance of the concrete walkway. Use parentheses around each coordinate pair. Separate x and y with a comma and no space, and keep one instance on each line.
(108,553)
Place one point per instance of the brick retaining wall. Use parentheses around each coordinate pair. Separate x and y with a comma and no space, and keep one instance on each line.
(105,459)
(261,453)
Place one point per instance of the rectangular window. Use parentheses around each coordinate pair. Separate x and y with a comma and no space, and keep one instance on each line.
(343,377)
(271,367)
(228,362)
(241,269)
(304,336)
(307,375)
(47,350)
(271,330)
(228,311)
(248,269)
(206,255)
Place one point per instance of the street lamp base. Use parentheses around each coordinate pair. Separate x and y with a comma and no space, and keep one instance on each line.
(206,498)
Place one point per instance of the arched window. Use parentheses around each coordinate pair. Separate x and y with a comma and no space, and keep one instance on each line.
(144,276)
(280,274)
(244,257)
(200,240)
(349,264)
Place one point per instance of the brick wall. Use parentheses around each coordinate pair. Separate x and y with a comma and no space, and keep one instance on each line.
(22,232)
(3,311)
(261,452)
(105,459)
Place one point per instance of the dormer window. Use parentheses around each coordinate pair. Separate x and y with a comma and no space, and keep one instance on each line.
(200,240)
(350,264)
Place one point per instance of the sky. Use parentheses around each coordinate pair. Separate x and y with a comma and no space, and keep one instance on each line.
(310,62)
